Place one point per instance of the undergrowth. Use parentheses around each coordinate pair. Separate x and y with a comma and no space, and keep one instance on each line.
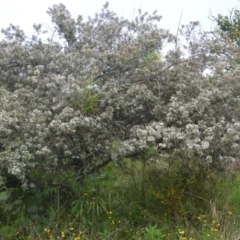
(158,200)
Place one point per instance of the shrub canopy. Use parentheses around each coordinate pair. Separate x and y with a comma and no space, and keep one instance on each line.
(105,89)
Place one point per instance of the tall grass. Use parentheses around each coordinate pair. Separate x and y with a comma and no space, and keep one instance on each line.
(158,200)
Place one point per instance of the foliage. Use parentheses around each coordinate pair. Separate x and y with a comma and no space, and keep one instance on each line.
(123,215)
(172,188)
(230,25)
(104,92)
(67,105)
(152,232)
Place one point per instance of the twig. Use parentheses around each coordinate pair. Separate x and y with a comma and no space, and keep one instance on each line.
(180,19)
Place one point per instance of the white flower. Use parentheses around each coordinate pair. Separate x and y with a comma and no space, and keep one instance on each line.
(162,145)
(15,170)
(205,144)
(209,159)
(151,139)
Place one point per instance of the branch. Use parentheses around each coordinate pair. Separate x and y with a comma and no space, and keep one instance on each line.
(164,70)
(99,166)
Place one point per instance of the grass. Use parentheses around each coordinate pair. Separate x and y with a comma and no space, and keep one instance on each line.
(140,202)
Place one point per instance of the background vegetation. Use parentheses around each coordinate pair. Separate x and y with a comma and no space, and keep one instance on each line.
(103,136)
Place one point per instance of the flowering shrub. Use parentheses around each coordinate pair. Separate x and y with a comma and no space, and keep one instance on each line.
(100,90)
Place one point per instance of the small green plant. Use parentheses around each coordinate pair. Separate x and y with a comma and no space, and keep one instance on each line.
(105,234)
(152,232)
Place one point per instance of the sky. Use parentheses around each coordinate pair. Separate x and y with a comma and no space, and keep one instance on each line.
(26,12)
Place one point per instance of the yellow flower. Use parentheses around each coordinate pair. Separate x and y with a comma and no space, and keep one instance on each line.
(201,217)
(182,238)
(230,213)
(181,231)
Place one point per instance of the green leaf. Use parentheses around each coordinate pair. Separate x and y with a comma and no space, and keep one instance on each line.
(4,196)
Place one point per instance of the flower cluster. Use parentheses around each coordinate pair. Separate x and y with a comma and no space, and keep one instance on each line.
(106,92)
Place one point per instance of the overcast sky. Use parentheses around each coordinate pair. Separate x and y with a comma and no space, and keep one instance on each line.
(26,12)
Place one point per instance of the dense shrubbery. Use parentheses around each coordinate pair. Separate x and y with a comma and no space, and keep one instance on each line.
(103,90)
(107,92)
